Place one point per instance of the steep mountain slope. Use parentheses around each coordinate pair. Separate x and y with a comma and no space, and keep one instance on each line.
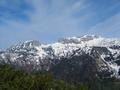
(67,55)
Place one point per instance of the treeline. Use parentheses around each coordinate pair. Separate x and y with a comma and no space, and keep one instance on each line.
(11,79)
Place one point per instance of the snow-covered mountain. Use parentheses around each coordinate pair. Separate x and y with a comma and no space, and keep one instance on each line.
(33,55)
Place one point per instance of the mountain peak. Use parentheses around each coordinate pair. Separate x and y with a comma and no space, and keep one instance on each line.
(90,36)
(106,51)
(32,43)
(80,39)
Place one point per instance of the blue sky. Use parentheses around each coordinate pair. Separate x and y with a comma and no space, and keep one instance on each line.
(49,20)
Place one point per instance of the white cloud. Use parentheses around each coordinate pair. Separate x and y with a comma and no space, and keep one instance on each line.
(52,19)
(48,22)
(110,27)
(60,20)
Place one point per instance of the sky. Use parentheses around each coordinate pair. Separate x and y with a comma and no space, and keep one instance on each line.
(50,20)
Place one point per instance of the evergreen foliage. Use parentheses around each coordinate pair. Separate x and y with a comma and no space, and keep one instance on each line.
(11,79)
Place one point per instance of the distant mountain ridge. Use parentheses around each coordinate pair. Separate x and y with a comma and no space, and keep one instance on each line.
(99,54)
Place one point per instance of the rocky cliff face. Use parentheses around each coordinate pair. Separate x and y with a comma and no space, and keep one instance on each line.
(84,56)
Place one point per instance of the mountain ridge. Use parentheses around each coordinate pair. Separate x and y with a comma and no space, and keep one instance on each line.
(33,55)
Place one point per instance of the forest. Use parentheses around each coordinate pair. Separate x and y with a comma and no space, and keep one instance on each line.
(12,79)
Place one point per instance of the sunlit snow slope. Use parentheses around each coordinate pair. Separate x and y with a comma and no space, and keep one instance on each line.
(34,55)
